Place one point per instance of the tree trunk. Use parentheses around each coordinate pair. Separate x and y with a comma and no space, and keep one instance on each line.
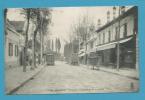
(33,56)
(32,67)
(34,48)
(41,40)
(26,43)
(5,18)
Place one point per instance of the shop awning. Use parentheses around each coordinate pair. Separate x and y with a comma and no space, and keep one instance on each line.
(80,55)
(112,45)
(125,40)
(93,50)
(107,46)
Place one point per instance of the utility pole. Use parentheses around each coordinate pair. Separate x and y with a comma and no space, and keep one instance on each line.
(118,45)
(86,38)
(41,39)
(86,34)
(33,55)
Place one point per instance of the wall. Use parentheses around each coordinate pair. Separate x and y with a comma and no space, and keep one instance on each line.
(13,38)
(112,28)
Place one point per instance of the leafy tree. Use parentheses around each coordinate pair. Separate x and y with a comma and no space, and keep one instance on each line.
(27,13)
(40,17)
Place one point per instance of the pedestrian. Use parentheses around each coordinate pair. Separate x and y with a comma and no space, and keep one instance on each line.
(98,62)
(30,61)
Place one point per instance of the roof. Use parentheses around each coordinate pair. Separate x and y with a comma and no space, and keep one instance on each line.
(133,10)
(18,25)
(10,27)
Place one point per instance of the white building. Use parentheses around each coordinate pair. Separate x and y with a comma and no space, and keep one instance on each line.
(11,46)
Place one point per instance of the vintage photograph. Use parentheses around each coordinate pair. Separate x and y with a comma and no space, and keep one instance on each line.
(61,50)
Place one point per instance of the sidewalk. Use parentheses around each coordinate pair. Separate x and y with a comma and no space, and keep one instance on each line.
(130,73)
(15,77)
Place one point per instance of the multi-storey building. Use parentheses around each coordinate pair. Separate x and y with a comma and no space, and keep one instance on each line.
(120,32)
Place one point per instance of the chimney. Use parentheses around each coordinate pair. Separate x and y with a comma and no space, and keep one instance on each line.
(108,16)
(99,23)
(122,9)
(114,12)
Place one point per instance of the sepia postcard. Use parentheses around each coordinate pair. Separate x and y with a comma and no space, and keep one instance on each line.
(61,50)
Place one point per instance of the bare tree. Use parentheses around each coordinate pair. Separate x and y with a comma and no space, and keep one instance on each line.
(81,30)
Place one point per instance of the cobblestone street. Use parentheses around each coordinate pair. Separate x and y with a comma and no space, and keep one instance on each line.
(64,78)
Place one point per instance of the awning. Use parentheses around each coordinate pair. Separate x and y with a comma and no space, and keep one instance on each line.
(125,40)
(92,50)
(107,46)
(82,50)
(112,45)
(80,55)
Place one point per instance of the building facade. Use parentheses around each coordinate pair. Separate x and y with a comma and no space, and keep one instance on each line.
(120,33)
(11,46)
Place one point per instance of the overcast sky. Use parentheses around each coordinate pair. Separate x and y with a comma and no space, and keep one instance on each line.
(64,17)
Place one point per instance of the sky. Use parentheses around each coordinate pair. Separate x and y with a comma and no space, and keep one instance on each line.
(64,17)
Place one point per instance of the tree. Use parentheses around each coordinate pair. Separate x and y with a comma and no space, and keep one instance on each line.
(45,21)
(56,45)
(59,45)
(40,18)
(5,18)
(48,45)
(27,13)
(5,14)
(52,45)
(81,31)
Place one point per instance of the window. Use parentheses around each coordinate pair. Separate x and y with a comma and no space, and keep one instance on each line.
(99,39)
(109,35)
(92,44)
(113,34)
(123,31)
(103,37)
(116,33)
(10,49)
(106,37)
(16,50)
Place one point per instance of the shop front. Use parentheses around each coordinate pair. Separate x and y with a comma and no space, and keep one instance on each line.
(128,54)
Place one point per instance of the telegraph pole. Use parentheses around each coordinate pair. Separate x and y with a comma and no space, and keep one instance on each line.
(41,40)
(118,45)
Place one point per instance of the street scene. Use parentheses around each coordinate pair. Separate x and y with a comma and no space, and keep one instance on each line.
(69,79)
(71,50)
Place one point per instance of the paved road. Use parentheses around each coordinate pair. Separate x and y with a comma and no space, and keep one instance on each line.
(64,78)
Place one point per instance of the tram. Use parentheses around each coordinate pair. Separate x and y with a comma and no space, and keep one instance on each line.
(49,58)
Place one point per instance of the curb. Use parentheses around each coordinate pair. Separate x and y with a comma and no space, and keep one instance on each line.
(135,78)
(23,83)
